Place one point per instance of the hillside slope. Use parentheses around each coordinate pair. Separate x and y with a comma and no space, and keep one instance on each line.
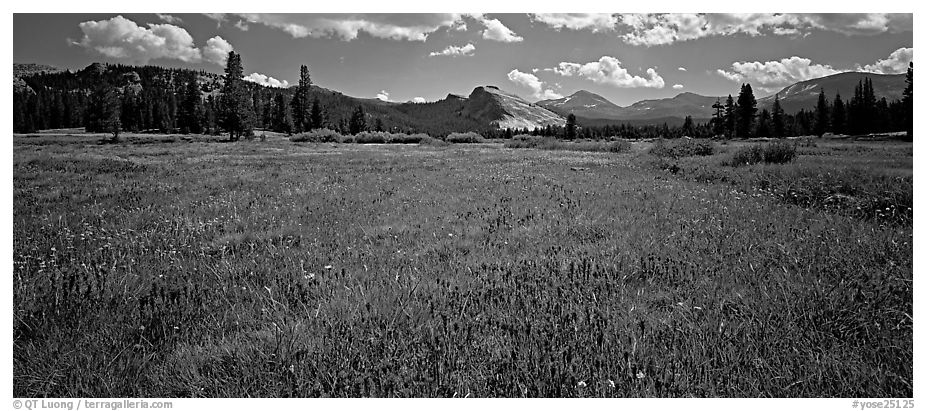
(804,94)
(491,105)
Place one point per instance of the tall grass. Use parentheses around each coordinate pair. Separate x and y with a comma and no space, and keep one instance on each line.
(772,153)
(232,270)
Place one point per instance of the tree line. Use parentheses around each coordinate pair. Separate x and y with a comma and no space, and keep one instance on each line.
(863,113)
(115,98)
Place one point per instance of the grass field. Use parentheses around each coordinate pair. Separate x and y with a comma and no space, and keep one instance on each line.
(206,269)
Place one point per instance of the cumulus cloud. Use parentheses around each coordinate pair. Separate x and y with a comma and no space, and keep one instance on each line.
(419,100)
(415,27)
(123,39)
(678,86)
(682,69)
(896,63)
(216,50)
(454,51)
(609,70)
(167,18)
(578,21)
(241,25)
(497,31)
(772,75)
(383,95)
(531,81)
(265,80)
(658,29)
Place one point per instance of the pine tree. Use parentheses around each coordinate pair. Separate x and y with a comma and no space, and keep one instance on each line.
(280,119)
(908,103)
(316,116)
(822,115)
(729,120)
(838,115)
(688,127)
(103,107)
(764,127)
(235,116)
(300,102)
(358,121)
(745,111)
(571,127)
(378,124)
(191,110)
(778,119)
(717,124)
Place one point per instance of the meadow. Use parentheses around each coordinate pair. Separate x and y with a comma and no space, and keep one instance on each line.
(189,267)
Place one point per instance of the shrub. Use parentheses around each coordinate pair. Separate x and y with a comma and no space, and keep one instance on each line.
(682,148)
(400,138)
(319,135)
(431,141)
(370,137)
(550,143)
(468,137)
(774,153)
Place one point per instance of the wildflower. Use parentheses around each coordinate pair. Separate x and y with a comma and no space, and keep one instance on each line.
(328,267)
(611,383)
(640,375)
(582,384)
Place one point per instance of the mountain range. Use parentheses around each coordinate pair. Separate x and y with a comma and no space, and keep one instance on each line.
(591,108)
(488,107)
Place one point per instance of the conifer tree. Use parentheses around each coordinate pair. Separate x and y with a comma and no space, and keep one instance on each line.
(778,119)
(571,127)
(358,121)
(300,102)
(908,103)
(316,116)
(838,120)
(236,112)
(822,115)
(745,111)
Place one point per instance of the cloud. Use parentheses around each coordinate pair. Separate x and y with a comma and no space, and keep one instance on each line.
(773,75)
(419,100)
(383,95)
(659,29)
(216,50)
(896,63)
(608,70)
(678,86)
(167,18)
(532,82)
(414,27)
(265,80)
(241,25)
(497,31)
(121,38)
(454,51)
(682,69)
(578,21)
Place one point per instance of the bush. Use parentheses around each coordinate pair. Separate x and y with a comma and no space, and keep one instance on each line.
(431,141)
(682,148)
(370,137)
(400,138)
(469,137)
(550,143)
(319,135)
(774,153)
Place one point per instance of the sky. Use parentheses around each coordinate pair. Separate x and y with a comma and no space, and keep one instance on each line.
(423,57)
